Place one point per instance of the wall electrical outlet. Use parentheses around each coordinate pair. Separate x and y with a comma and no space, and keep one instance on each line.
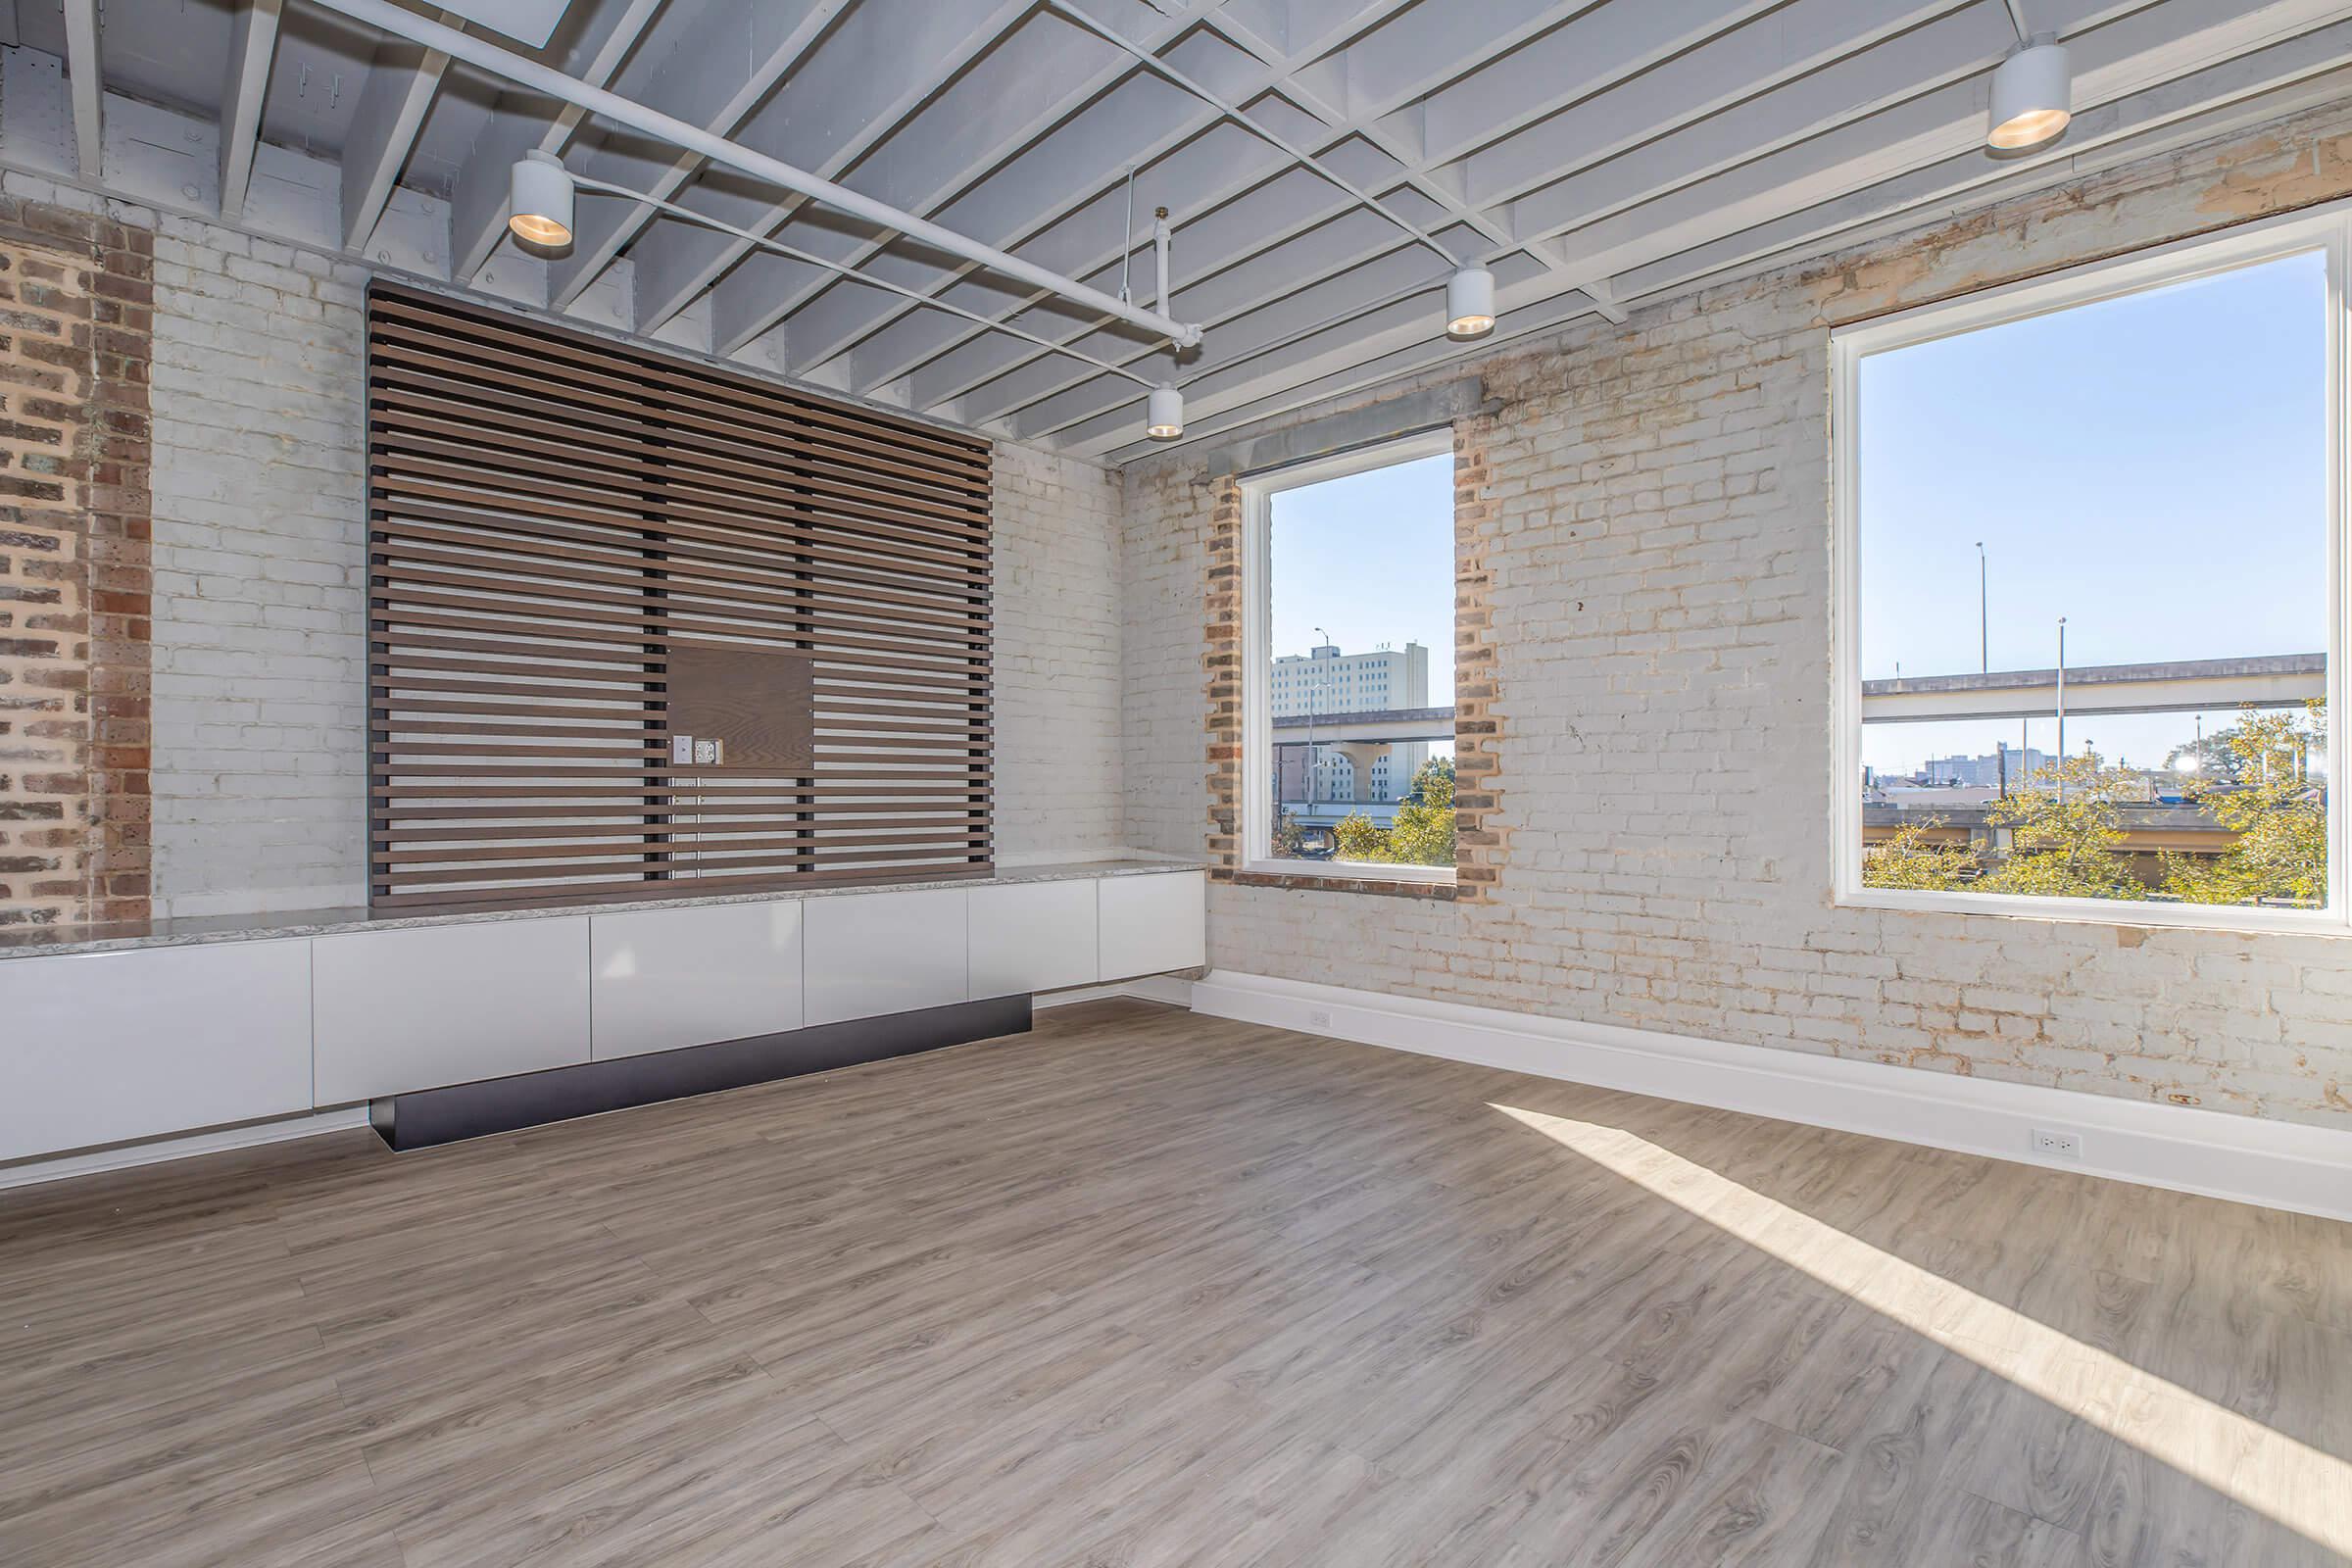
(706,754)
(2055,1144)
(1318,1019)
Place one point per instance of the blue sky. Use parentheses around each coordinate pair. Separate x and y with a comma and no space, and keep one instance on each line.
(2151,467)
(1370,558)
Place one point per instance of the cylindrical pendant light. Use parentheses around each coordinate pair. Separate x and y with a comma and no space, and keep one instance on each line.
(1470,303)
(539,201)
(1163,417)
(2033,96)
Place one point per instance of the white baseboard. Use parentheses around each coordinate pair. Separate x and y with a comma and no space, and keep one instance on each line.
(2278,1164)
(1168,987)
(162,1148)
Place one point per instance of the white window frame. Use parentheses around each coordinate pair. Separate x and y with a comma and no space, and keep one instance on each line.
(1258,491)
(2327,230)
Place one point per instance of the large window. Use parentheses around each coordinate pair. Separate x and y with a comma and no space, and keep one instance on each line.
(2090,609)
(1348,728)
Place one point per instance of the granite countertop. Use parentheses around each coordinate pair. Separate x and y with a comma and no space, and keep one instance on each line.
(194,931)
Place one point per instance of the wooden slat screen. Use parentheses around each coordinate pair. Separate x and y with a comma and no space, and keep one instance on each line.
(549,515)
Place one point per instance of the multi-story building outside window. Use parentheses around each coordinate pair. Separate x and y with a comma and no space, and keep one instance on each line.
(1328,681)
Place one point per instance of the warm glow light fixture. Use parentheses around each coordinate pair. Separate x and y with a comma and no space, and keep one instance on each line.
(2033,96)
(1470,303)
(539,201)
(1164,419)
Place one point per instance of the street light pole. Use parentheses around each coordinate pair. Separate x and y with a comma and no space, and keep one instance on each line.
(1321,637)
(2062,708)
(1983,611)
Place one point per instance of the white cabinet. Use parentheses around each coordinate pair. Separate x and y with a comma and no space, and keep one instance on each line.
(665,978)
(421,1007)
(1153,922)
(100,1048)
(1033,935)
(874,953)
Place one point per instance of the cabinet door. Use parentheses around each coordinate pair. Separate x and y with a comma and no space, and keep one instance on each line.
(1034,936)
(102,1047)
(1153,922)
(665,978)
(429,1005)
(875,953)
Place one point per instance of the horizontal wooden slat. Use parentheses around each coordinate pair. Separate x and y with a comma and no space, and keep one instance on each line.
(805,555)
(694,391)
(551,514)
(546,560)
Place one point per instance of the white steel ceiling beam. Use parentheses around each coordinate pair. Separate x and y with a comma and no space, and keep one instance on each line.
(530,73)
(1491,156)
(1297,152)
(478,204)
(1223,297)
(1064,198)
(1226,174)
(87,80)
(401,83)
(1658,208)
(1610,47)
(1114,116)
(2280,79)
(712,77)
(1680,193)
(2273,81)
(1005,114)
(882,63)
(1407,59)
(252,47)
(850,98)
(964,360)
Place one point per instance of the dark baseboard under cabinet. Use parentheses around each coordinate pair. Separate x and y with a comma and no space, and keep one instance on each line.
(425,1117)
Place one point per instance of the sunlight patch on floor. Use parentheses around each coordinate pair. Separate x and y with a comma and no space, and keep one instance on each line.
(2303,1487)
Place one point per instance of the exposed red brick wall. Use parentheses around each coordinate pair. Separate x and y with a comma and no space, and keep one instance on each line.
(76,326)
(1478,787)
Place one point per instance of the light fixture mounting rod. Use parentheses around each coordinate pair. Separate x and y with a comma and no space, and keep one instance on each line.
(527,73)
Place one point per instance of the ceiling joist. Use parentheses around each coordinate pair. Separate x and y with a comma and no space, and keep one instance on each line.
(1596,154)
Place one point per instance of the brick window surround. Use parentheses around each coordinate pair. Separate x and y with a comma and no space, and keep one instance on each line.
(1479,837)
(75,331)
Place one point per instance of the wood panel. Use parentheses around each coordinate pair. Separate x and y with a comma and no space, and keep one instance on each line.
(559,525)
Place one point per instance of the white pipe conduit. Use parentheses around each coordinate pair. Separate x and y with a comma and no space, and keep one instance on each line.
(486,56)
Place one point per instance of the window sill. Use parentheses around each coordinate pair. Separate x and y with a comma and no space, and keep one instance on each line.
(2101,911)
(1392,881)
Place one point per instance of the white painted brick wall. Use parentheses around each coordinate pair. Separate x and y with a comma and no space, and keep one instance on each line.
(1660,602)
(260,576)
(1058,756)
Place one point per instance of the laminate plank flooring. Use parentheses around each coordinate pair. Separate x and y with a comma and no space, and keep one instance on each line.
(1144,1289)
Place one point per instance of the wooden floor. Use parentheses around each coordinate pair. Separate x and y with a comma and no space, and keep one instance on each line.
(1144,1289)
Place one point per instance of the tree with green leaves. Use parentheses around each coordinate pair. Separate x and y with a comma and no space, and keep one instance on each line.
(1359,839)
(1424,830)
(1425,822)
(1288,838)
(1914,857)
(2065,826)
(2277,812)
